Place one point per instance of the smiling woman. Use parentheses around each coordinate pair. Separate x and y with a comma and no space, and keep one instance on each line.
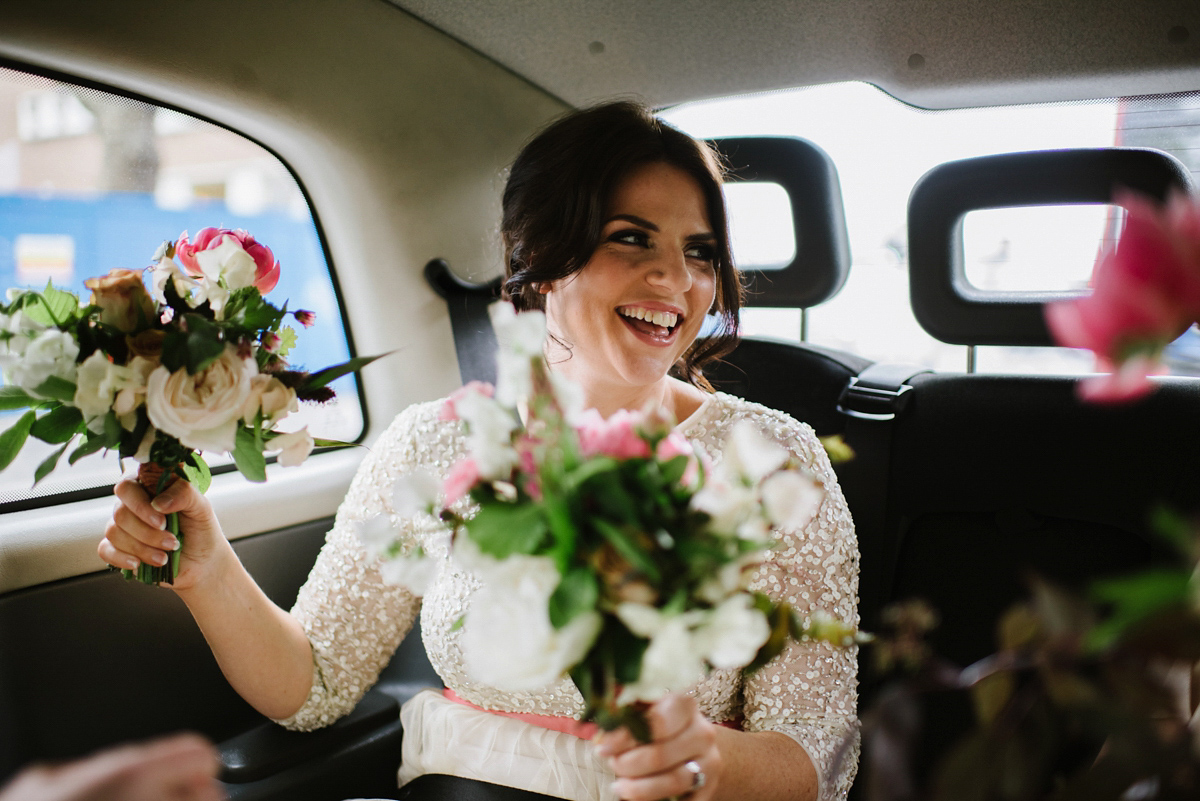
(640,203)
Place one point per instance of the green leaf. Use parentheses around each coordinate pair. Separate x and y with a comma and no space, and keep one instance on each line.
(204,344)
(196,471)
(287,336)
(55,388)
(112,430)
(673,469)
(93,443)
(1135,598)
(458,624)
(329,443)
(1174,528)
(577,592)
(14,438)
(52,306)
(323,377)
(16,398)
(502,529)
(248,458)
(58,425)
(48,464)
(629,550)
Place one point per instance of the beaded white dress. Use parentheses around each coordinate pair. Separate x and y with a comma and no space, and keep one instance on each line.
(355,621)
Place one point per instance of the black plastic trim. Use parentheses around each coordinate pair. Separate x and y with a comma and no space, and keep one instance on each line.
(822,261)
(944,303)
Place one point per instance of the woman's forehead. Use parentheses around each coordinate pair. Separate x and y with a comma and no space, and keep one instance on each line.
(661,194)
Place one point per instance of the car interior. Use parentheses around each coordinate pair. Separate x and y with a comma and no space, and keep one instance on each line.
(396,120)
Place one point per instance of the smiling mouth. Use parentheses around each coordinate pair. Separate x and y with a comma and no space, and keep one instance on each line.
(658,325)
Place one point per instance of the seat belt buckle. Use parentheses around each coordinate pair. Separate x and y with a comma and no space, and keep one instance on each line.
(865,402)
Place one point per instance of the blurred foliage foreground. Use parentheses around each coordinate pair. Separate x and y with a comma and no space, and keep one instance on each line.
(1089,696)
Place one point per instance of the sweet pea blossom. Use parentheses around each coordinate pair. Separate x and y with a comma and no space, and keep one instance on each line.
(616,437)
(489,433)
(522,338)
(672,662)
(50,353)
(294,447)
(1145,293)
(97,383)
(459,481)
(733,633)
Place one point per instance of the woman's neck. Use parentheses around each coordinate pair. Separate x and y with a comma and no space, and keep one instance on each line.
(671,394)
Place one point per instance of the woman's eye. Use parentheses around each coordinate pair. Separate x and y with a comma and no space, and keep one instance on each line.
(638,238)
(700,251)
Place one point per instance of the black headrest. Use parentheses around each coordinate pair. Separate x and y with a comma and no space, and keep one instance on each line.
(810,179)
(944,303)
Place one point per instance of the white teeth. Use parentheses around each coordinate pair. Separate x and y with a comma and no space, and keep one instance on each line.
(659,318)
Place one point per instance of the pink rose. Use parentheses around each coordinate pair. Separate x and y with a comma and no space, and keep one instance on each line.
(266,269)
(617,436)
(527,464)
(449,410)
(462,477)
(1146,292)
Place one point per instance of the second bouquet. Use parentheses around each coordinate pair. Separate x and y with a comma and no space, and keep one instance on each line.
(195,363)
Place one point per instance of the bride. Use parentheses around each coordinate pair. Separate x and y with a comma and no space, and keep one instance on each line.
(614,224)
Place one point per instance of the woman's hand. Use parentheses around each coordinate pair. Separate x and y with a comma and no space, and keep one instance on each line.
(659,769)
(137,532)
(180,768)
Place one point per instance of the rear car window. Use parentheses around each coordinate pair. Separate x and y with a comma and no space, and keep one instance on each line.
(90,181)
(881,148)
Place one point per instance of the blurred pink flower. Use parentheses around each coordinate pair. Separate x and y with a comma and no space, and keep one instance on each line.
(459,480)
(1145,293)
(305,318)
(617,436)
(266,269)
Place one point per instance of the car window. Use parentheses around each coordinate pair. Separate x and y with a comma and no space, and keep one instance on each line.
(90,181)
(881,148)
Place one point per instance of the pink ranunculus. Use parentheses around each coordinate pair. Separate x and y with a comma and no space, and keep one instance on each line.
(617,436)
(449,410)
(459,481)
(1128,382)
(672,445)
(266,269)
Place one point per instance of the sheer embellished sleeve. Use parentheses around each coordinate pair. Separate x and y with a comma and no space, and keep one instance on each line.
(810,691)
(354,620)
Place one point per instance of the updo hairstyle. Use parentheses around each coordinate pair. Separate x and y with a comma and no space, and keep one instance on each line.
(559,190)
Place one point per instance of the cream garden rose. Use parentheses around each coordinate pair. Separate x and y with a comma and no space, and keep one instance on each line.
(203,410)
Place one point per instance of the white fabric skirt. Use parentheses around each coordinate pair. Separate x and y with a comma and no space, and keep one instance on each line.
(442,736)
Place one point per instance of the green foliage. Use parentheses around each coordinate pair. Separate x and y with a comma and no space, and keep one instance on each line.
(58,425)
(323,377)
(16,398)
(287,336)
(51,307)
(55,388)
(503,529)
(248,456)
(48,464)
(1135,598)
(577,592)
(13,438)
(196,472)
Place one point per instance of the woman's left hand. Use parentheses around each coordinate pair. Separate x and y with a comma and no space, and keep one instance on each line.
(660,769)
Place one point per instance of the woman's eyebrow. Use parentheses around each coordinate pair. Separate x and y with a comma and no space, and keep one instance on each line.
(633,218)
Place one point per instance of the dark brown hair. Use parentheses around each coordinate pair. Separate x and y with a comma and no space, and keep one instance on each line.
(559,189)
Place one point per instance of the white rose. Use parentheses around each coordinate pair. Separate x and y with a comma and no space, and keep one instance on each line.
(227,263)
(270,395)
(728,504)
(97,383)
(201,410)
(50,353)
(733,633)
(143,452)
(294,447)
(791,498)
(670,664)
(508,641)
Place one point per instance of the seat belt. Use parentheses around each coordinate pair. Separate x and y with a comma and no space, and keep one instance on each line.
(474,339)
(872,401)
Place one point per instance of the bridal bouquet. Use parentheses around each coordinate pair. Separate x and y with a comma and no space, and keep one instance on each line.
(609,550)
(1145,293)
(197,362)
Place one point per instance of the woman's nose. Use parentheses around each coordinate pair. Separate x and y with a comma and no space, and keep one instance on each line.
(670,272)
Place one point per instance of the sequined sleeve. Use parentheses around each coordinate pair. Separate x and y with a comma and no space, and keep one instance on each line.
(354,620)
(810,692)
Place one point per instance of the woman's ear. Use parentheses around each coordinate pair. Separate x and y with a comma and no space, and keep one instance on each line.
(543,287)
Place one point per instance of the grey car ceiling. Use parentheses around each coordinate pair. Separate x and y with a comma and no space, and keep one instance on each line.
(931,53)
